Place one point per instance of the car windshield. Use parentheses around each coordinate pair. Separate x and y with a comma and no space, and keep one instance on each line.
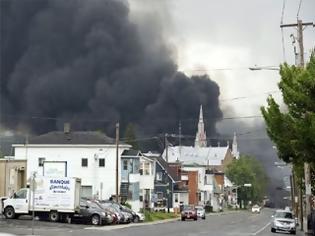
(187,208)
(282,214)
(199,208)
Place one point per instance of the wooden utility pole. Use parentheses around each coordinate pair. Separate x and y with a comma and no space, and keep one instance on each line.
(117,162)
(180,140)
(307,176)
(166,147)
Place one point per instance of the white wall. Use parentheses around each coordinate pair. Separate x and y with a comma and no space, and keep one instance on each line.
(93,175)
(182,197)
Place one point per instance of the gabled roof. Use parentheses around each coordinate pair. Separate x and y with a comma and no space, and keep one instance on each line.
(73,137)
(171,172)
(131,153)
(188,155)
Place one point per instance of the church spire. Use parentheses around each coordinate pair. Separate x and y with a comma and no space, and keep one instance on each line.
(235,151)
(201,138)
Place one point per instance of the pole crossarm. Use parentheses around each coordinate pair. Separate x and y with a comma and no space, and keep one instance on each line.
(296,25)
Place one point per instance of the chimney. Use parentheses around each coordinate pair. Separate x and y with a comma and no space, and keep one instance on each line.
(66,128)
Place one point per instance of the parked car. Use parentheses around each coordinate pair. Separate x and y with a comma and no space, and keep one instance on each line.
(201,213)
(91,213)
(122,216)
(189,212)
(116,215)
(283,221)
(135,217)
(256,209)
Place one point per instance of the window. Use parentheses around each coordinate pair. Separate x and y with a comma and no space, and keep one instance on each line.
(41,161)
(21,194)
(176,197)
(84,162)
(159,176)
(159,195)
(101,162)
(146,168)
(125,165)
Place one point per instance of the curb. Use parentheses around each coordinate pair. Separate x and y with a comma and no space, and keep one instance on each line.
(115,227)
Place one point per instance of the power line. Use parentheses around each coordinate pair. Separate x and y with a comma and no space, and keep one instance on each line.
(223,69)
(245,97)
(298,12)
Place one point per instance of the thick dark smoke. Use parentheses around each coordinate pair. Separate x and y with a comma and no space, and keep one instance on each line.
(86,62)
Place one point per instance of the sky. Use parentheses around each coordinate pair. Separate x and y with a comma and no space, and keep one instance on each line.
(208,36)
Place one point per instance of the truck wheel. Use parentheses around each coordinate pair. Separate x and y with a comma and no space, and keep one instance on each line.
(95,220)
(9,213)
(53,216)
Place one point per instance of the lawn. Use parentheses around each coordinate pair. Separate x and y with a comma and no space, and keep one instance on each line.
(154,216)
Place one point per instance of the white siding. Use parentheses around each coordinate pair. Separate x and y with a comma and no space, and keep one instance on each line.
(93,175)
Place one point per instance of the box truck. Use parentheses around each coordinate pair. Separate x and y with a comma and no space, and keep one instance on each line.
(55,198)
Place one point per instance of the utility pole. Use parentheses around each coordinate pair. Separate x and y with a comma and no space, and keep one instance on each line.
(117,161)
(308,192)
(166,147)
(180,139)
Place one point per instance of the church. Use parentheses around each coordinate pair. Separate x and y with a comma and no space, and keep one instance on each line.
(201,154)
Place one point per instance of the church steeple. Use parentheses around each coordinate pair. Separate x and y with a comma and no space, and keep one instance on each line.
(201,138)
(235,151)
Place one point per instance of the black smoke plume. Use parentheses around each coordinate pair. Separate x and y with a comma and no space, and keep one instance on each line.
(86,62)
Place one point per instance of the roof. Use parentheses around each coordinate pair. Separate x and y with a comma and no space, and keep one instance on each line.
(171,172)
(74,137)
(197,155)
(131,153)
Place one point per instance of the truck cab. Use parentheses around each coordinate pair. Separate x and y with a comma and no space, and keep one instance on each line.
(17,204)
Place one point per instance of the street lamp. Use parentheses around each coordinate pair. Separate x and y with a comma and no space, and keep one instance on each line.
(264,68)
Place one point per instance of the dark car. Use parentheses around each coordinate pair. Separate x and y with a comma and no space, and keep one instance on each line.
(129,214)
(189,212)
(91,213)
(118,216)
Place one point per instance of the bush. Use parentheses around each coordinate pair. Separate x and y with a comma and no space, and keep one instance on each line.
(126,204)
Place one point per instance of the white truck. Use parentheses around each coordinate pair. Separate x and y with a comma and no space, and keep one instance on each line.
(55,198)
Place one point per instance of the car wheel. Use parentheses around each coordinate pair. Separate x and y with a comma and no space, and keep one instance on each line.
(273,230)
(95,220)
(203,217)
(183,219)
(293,232)
(136,219)
(53,216)
(195,218)
(9,213)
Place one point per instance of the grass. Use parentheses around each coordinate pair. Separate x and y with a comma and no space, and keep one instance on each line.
(154,216)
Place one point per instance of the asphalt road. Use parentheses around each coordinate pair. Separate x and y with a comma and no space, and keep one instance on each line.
(231,224)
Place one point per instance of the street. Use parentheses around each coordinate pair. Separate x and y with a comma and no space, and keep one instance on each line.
(227,224)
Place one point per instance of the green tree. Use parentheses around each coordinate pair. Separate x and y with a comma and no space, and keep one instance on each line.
(248,170)
(130,136)
(292,128)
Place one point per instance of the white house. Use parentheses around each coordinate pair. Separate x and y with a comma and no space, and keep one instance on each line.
(147,176)
(90,156)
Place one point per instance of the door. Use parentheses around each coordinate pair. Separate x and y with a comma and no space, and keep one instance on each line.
(20,200)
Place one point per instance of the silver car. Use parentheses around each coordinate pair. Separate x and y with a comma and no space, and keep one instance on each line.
(283,221)
(201,213)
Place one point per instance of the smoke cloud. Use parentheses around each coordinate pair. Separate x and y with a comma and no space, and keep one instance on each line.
(86,62)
